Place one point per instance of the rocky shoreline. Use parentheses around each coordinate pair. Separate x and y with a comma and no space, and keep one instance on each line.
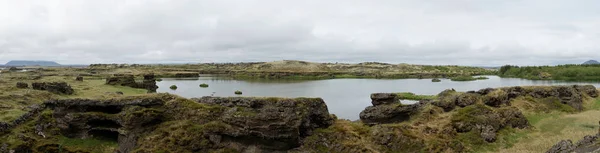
(452,122)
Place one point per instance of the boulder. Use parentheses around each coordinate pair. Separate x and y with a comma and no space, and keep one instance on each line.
(390,113)
(53,87)
(564,146)
(22,85)
(496,98)
(384,98)
(467,99)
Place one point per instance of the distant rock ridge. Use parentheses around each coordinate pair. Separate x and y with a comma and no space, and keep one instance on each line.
(31,63)
(591,62)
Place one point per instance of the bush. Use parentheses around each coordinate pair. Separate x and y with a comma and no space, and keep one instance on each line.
(174,87)
(204,85)
(238,92)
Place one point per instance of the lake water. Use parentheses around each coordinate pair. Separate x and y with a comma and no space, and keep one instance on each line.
(344,97)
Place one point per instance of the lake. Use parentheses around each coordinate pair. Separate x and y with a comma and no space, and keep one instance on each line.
(344,97)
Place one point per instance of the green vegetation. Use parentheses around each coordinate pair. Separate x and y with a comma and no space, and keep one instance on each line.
(560,72)
(173,87)
(238,92)
(412,96)
(467,78)
(159,80)
(89,145)
(204,85)
(436,80)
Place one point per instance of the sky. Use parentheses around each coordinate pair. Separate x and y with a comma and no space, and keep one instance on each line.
(437,32)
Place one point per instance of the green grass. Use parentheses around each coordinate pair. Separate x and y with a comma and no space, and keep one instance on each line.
(412,96)
(10,114)
(91,145)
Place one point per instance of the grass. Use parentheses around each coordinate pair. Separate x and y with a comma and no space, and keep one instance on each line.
(90,145)
(238,92)
(204,85)
(412,96)
(173,87)
(551,127)
(436,80)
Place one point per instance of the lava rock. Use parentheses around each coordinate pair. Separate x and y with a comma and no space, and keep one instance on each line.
(390,113)
(53,87)
(384,98)
(22,85)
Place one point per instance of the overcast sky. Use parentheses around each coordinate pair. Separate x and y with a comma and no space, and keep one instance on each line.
(462,32)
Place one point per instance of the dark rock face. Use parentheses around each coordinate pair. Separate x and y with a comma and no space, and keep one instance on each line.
(79,78)
(384,98)
(149,82)
(53,87)
(22,85)
(117,120)
(277,124)
(390,113)
(122,80)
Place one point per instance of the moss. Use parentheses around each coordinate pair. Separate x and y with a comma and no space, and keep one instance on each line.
(554,103)
(178,135)
(465,119)
(412,96)
(91,145)
(237,92)
(204,85)
(173,87)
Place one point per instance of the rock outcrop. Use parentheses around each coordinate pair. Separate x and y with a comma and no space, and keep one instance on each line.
(163,122)
(149,82)
(53,87)
(388,109)
(384,98)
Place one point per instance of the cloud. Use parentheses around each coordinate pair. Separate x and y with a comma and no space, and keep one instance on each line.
(464,32)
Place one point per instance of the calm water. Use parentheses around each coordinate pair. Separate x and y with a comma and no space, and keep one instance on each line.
(344,97)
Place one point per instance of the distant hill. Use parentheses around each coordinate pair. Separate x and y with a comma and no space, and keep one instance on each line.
(31,63)
(591,62)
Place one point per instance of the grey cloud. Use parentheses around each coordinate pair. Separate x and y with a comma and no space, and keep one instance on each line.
(464,32)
